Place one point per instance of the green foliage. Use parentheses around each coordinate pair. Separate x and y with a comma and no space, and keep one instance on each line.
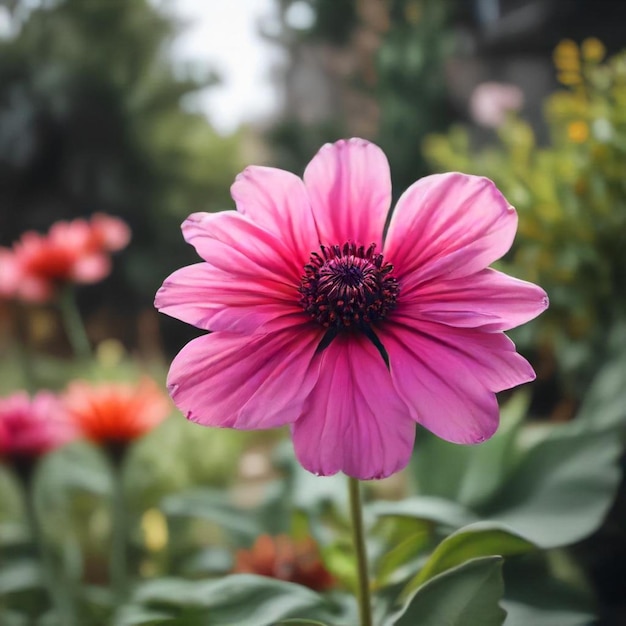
(245,600)
(467,595)
(528,491)
(571,199)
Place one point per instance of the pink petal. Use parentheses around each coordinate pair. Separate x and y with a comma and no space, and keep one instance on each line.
(112,233)
(35,289)
(350,189)
(448,225)
(354,421)
(234,244)
(448,376)
(245,382)
(213,299)
(488,300)
(91,268)
(277,201)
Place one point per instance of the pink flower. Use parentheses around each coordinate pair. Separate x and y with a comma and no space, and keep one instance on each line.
(9,279)
(71,252)
(30,428)
(350,336)
(109,233)
(490,103)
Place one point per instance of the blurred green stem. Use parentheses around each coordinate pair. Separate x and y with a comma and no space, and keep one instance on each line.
(363,585)
(73,323)
(25,349)
(54,582)
(118,563)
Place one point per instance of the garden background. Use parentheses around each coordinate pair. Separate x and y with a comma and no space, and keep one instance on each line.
(172,525)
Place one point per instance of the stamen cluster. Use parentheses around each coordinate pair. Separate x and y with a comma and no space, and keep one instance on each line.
(348,287)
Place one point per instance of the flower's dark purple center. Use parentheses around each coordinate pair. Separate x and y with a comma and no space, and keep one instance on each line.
(348,287)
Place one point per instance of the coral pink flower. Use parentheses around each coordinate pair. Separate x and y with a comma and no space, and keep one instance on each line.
(31,427)
(108,233)
(71,252)
(322,322)
(114,413)
(9,279)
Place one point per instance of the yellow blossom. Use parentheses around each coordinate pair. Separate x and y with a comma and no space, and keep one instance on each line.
(566,56)
(593,49)
(578,131)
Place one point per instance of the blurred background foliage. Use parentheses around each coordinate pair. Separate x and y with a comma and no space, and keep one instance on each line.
(95,117)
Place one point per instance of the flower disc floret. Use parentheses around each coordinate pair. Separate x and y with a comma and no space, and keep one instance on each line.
(348,287)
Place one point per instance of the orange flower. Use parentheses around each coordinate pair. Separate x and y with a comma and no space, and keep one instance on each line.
(115,413)
(286,559)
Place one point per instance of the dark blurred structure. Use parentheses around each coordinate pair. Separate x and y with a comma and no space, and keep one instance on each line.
(92,118)
(396,71)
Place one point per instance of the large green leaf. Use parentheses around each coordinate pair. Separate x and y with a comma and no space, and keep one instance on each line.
(394,562)
(535,597)
(301,622)
(520,614)
(426,508)
(604,404)
(477,540)
(562,488)
(469,475)
(467,595)
(211,505)
(140,616)
(242,599)
(20,575)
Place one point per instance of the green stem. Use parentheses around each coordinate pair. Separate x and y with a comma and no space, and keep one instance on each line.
(118,564)
(73,323)
(363,585)
(54,582)
(25,349)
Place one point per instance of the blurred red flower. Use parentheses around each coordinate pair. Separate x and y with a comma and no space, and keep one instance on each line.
(115,413)
(71,252)
(31,427)
(286,559)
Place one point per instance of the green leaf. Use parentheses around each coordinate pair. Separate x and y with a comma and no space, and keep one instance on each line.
(425,508)
(20,575)
(467,595)
(519,614)
(534,596)
(211,505)
(562,488)
(477,540)
(400,556)
(472,473)
(301,622)
(140,616)
(13,618)
(242,599)
(604,404)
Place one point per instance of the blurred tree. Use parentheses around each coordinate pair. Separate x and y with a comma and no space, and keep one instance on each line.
(410,85)
(92,118)
(363,67)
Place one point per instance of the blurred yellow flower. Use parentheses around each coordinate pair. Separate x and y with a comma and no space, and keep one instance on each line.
(154,527)
(569,78)
(566,57)
(593,49)
(578,131)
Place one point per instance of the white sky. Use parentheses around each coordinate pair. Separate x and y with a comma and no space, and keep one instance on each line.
(223,34)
